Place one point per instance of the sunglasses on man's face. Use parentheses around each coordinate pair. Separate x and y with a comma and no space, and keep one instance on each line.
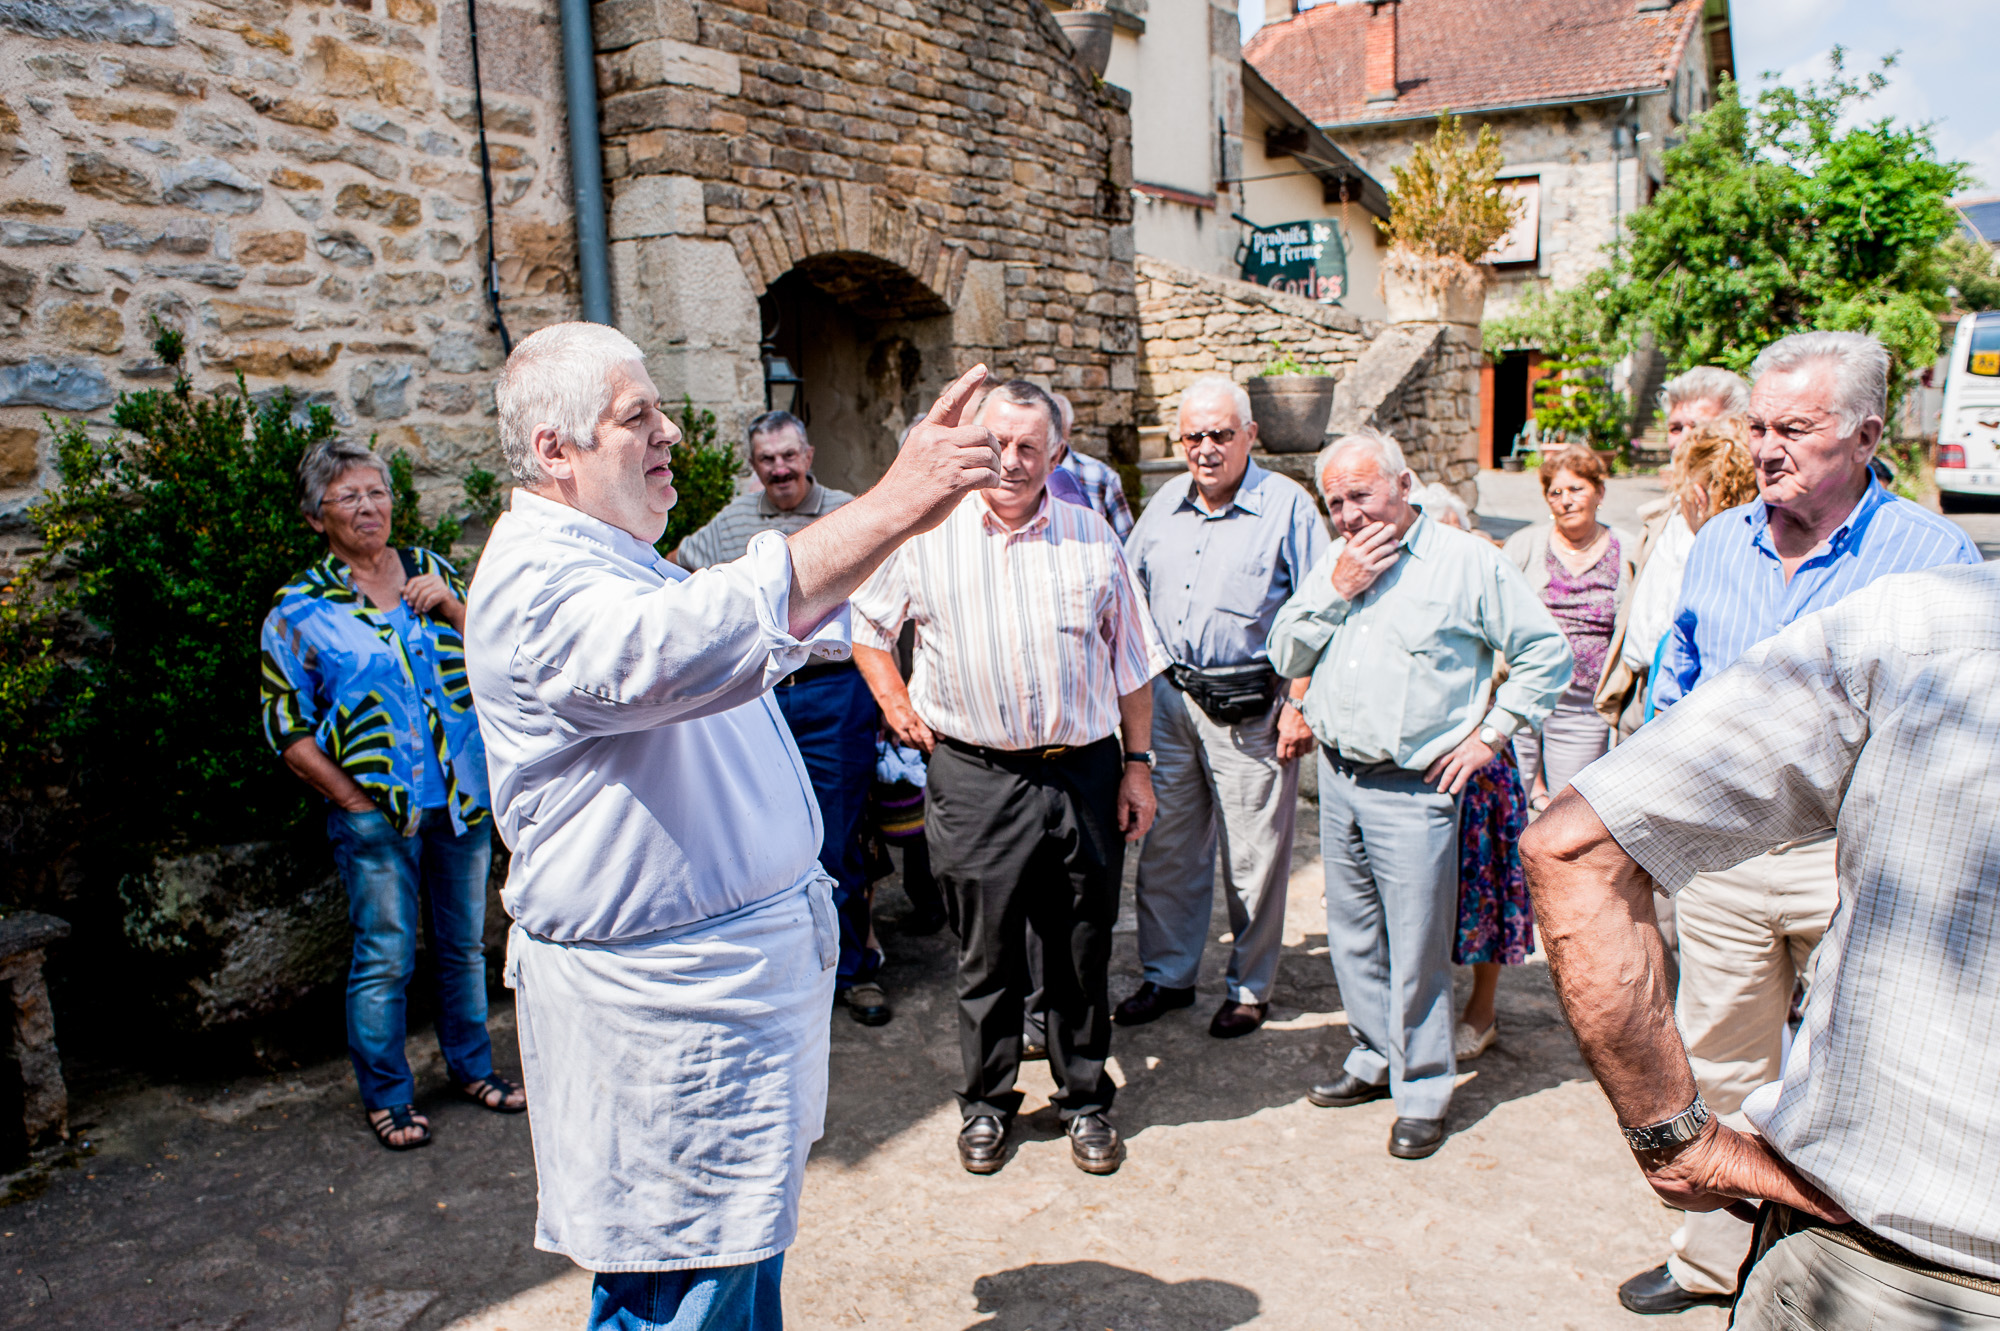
(1195,438)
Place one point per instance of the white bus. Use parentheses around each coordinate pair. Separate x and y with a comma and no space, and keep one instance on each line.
(1968,448)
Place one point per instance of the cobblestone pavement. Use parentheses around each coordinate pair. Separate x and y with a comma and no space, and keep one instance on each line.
(262,1204)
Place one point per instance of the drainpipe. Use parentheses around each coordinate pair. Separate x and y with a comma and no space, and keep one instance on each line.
(586,158)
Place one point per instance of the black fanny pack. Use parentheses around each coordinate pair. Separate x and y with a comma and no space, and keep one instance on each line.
(1228,694)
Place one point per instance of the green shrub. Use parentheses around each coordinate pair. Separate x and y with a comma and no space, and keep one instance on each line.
(1448,202)
(705,474)
(1285,361)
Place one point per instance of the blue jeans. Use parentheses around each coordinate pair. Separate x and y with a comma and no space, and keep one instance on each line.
(834,719)
(721,1298)
(385,874)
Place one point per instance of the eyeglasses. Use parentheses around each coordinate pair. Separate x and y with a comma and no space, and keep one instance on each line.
(351,501)
(1789,431)
(1194,438)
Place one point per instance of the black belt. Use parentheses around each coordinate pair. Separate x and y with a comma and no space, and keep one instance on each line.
(815,670)
(1044,753)
(1777,1222)
(1348,767)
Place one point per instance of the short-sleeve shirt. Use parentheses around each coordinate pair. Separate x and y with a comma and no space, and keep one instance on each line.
(727,534)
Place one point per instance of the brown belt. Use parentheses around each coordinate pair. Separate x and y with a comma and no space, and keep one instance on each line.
(1047,753)
(1776,1223)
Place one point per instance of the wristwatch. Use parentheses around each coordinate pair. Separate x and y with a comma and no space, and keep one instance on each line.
(1296,704)
(1145,757)
(1682,1127)
(1490,737)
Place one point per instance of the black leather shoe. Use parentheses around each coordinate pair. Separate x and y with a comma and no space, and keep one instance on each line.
(867,1004)
(1094,1144)
(1656,1291)
(1233,1019)
(1032,1052)
(982,1145)
(1344,1092)
(1415,1138)
(1151,1003)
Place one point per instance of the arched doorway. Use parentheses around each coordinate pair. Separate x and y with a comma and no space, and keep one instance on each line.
(867,339)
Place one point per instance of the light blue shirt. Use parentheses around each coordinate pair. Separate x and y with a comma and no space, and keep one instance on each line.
(1405,672)
(1215,581)
(1734,593)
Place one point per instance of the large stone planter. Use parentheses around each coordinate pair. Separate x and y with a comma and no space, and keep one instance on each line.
(1291,410)
(1089,31)
(1432,291)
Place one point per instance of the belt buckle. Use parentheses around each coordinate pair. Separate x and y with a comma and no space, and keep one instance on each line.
(1055,751)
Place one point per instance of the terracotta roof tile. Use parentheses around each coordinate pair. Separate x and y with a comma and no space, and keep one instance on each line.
(1470,55)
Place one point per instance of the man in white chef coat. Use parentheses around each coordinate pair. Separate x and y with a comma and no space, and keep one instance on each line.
(674,939)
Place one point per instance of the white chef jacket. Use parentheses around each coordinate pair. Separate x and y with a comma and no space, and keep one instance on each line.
(674,936)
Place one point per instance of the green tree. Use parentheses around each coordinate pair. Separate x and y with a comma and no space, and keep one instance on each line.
(1973,270)
(1774,219)
(704,475)
(1448,202)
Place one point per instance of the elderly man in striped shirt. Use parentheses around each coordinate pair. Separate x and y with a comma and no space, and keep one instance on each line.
(1821,528)
(1033,646)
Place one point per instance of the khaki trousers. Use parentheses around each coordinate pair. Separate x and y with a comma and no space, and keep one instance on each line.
(1809,1280)
(1747,936)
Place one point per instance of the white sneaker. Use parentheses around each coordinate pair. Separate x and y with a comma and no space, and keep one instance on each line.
(1470,1044)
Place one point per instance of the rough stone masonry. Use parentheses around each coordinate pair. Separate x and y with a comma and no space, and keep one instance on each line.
(292,183)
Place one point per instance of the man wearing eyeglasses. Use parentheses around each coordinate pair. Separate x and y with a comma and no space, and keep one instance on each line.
(1218,551)
(826,703)
(1821,527)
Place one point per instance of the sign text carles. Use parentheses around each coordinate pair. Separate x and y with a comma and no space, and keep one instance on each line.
(1306,258)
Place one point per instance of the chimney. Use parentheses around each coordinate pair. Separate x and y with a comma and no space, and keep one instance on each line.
(1280,11)
(1380,65)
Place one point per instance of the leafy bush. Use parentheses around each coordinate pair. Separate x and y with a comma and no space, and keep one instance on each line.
(1285,361)
(704,475)
(1448,202)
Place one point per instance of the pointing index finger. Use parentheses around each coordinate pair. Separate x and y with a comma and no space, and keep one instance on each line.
(950,406)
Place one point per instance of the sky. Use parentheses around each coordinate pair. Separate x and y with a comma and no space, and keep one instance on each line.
(1944,74)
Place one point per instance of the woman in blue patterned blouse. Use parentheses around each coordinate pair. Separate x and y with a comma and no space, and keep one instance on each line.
(365,698)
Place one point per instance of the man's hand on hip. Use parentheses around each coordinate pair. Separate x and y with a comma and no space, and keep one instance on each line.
(945,457)
(1721,1167)
(1136,805)
(1368,554)
(1450,773)
(1295,737)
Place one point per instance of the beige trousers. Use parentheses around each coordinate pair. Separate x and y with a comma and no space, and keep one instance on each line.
(1747,936)
(1808,1280)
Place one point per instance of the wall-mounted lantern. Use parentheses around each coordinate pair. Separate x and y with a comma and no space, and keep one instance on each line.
(781,383)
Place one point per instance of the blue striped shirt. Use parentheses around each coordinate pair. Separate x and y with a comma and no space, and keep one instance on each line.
(1734,594)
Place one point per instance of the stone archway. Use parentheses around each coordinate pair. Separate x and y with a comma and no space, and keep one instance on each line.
(839,221)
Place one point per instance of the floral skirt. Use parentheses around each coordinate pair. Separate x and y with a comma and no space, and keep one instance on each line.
(1496,921)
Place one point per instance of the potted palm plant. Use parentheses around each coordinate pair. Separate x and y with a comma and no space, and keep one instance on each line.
(1291,402)
(1444,218)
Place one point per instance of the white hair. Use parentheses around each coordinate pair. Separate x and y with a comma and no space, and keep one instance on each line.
(1707,383)
(1215,383)
(1386,453)
(1860,367)
(559,377)
(1437,501)
(326,462)
(1068,421)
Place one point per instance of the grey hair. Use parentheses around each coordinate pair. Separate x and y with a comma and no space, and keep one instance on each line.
(1860,366)
(557,377)
(1386,452)
(1027,393)
(1067,421)
(771,422)
(1216,383)
(1435,500)
(326,462)
(1707,383)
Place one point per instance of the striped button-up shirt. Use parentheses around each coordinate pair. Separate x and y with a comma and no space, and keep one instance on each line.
(1025,638)
(1734,593)
(1879,717)
(727,535)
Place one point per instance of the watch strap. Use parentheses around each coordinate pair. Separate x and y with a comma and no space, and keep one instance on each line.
(1143,756)
(1682,1127)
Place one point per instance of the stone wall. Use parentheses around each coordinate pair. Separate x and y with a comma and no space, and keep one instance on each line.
(293,183)
(1419,383)
(1191,324)
(942,174)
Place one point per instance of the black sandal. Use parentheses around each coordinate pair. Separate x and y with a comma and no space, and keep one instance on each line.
(401,1118)
(478,1091)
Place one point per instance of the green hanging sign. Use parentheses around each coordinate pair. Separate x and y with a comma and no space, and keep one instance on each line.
(1307,258)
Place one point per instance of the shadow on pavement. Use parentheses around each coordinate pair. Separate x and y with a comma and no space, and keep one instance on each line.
(1088,1296)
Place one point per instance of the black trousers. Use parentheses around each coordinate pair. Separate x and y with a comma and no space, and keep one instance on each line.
(1019,840)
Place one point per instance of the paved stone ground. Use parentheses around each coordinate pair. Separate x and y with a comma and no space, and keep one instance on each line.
(262,1204)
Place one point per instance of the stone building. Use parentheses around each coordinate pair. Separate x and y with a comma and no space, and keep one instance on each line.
(881,194)
(1584,94)
(297,187)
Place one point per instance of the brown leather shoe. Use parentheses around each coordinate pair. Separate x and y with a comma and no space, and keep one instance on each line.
(1233,1019)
